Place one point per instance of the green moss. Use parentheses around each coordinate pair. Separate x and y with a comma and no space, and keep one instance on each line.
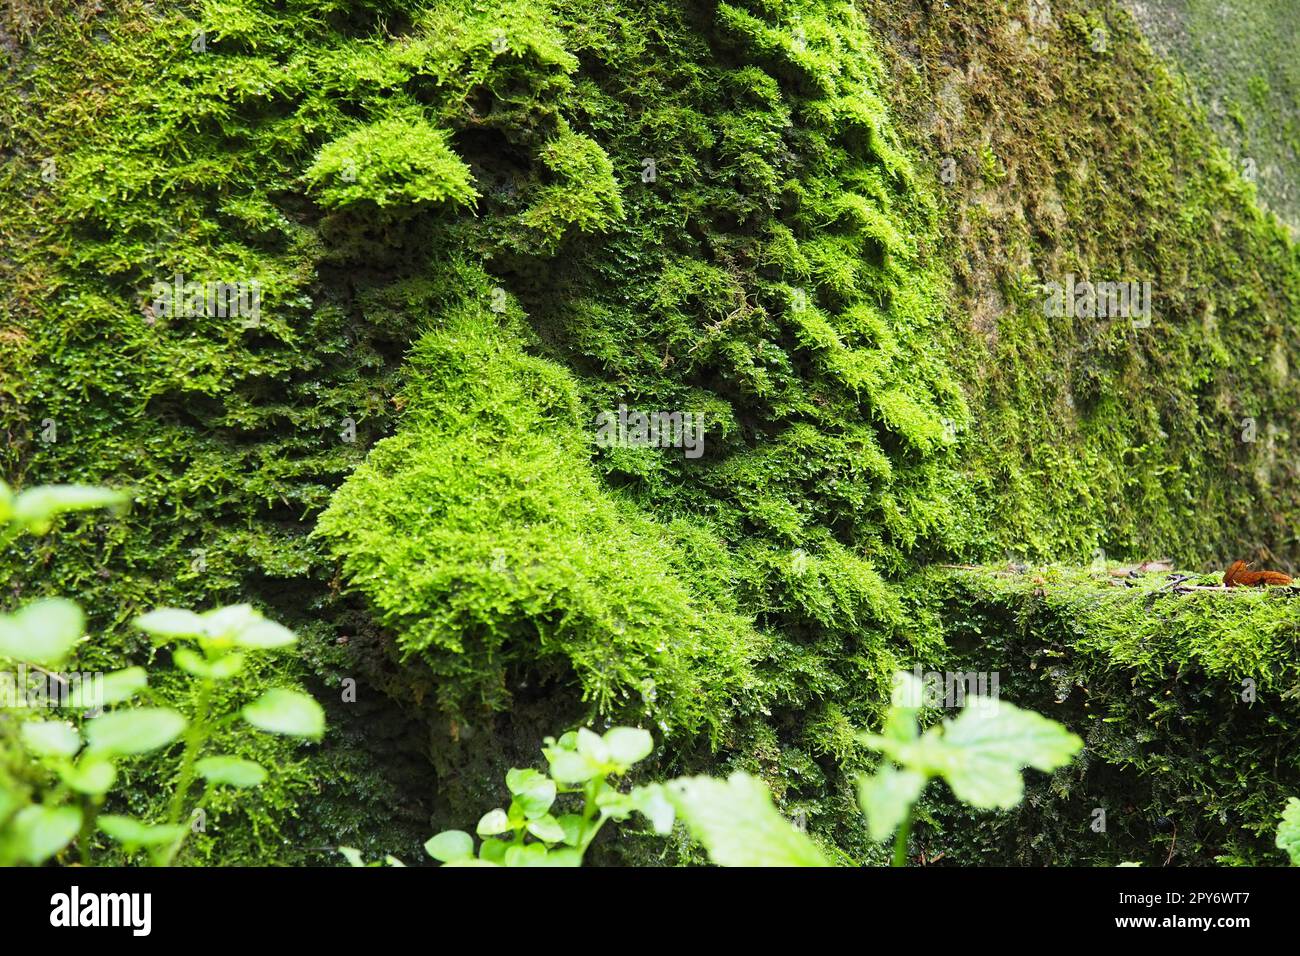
(559,208)
(391,162)
(1183,698)
(1240,65)
(1099,433)
(491,551)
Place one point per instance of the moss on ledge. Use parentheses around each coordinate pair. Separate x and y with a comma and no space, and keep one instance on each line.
(1187,701)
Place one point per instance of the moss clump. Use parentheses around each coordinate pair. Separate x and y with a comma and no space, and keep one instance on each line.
(392,162)
(1185,700)
(486,544)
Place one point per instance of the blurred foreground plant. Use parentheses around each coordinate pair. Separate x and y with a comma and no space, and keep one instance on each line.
(55,775)
(980,755)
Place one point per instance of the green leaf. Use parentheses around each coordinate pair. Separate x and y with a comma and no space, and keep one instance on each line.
(521,781)
(138,731)
(171,622)
(450,845)
(563,856)
(493,850)
(51,738)
(592,746)
(738,824)
(572,824)
(229,621)
(985,748)
(535,792)
(42,632)
(282,711)
(654,804)
(222,668)
(263,635)
(36,508)
(132,833)
(236,624)
(547,828)
(627,745)
(231,771)
(570,767)
(1288,833)
(887,798)
(493,822)
(91,775)
(352,855)
(123,685)
(981,753)
(38,832)
(528,854)
(515,814)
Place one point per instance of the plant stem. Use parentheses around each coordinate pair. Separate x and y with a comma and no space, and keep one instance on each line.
(195,735)
(900,840)
(589,811)
(88,812)
(167,858)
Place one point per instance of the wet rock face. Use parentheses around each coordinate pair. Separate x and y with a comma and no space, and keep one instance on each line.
(1237,56)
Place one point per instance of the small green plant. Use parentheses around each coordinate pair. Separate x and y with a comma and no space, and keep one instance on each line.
(66,768)
(584,768)
(980,755)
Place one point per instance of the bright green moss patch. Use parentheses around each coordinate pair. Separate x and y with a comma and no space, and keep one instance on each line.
(391,162)
(737,235)
(486,543)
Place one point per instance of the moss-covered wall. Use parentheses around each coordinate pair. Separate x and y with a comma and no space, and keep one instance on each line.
(1239,58)
(1095,434)
(476,226)
(128,158)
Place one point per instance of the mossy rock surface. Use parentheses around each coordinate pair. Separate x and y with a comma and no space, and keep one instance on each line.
(822,226)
